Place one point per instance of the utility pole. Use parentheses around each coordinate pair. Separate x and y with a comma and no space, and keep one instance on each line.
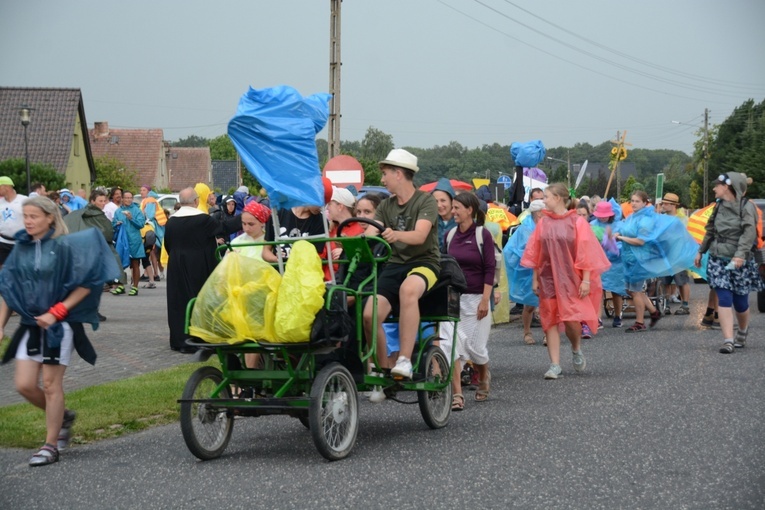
(334,79)
(618,175)
(706,157)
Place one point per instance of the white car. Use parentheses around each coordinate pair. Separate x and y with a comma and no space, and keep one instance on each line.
(168,201)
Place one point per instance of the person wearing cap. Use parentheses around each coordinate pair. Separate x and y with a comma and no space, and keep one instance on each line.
(519,278)
(409,220)
(731,233)
(12,219)
(254,218)
(607,216)
(444,194)
(669,206)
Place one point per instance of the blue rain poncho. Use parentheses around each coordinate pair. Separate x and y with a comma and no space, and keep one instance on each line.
(613,278)
(274,131)
(668,248)
(528,154)
(519,277)
(39,274)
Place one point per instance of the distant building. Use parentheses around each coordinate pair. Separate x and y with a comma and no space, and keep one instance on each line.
(225,175)
(56,135)
(188,166)
(140,150)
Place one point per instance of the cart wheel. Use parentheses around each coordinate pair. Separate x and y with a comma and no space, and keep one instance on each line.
(206,429)
(334,412)
(435,406)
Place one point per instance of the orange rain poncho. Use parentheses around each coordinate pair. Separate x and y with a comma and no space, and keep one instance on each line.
(560,249)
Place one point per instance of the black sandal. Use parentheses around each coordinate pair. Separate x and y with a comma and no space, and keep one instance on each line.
(48,454)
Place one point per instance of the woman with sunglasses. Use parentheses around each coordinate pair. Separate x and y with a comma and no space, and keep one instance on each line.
(731,233)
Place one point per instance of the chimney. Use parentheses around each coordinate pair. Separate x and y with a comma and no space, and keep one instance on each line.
(100,129)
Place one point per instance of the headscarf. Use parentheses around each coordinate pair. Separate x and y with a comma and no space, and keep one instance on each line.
(203,191)
(261,212)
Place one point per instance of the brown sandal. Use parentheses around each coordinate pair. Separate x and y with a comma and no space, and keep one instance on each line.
(458,402)
(482,393)
(528,339)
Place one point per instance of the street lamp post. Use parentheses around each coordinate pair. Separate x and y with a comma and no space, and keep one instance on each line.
(568,167)
(24,113)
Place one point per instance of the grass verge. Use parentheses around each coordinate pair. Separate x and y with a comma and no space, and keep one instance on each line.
(104,411)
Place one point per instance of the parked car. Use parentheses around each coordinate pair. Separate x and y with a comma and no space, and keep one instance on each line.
(380,190)
(168,201)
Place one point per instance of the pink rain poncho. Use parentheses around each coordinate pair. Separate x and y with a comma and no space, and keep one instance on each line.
(561,248)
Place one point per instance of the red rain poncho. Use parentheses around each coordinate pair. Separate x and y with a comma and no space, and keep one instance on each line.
(560,249)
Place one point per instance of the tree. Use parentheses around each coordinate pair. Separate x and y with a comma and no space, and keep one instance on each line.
(191,141)
(112,172)
(222,148)
(630,186)
(16,169)
(376,144)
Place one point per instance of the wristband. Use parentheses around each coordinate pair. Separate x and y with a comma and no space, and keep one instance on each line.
(586,281)
(59,311)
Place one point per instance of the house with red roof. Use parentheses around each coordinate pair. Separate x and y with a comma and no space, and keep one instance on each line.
(56,133)
(143,151)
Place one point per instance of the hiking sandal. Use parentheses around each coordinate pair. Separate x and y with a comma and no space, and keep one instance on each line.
(528,339)
(458,402)
(482,393)
(119,290)
(133,291)
(48,454)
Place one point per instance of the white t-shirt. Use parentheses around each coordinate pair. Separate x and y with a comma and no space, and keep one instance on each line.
(109,210)
(11,217)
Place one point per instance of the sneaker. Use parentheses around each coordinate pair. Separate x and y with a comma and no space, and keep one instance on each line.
(403,368)
(101,318)
(553,372)
(674,299)
(655,317)
(600,324)
(377,395)
(586,333)
(119,290)
(740,341)
(157,278)
(636,328)
(144,278)
(579,362)
(727,348)
(708,321)
(683,310)
(617,322)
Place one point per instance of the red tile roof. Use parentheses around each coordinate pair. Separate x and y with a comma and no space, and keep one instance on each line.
(188,166)
(50,132)
(140,150)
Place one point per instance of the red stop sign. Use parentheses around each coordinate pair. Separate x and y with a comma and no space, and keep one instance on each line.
(344,171)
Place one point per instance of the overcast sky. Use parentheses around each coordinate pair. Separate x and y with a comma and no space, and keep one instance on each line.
(425,71)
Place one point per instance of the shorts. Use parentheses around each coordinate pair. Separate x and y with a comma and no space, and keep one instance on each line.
(393,275)
(67,346)
(636,286)
(680,279)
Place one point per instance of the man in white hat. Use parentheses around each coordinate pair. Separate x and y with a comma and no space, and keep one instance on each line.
(409,218)
(11,218)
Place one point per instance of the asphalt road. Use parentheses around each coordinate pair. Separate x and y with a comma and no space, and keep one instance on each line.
(658,420)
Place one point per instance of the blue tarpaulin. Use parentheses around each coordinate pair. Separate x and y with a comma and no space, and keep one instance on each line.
(274,131)
(528,154)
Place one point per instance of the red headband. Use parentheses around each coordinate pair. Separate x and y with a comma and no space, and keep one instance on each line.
(260,211)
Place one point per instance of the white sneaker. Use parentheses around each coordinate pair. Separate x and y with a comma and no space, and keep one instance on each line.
(403,368)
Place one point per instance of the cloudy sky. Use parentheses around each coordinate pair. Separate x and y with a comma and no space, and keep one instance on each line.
(425,71)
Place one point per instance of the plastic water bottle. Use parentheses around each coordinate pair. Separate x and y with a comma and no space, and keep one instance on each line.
(731,266)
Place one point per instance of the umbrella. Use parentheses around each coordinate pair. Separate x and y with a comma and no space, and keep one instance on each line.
(535,173)
(454,182)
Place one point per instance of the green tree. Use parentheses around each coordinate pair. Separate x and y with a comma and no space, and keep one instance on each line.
(16,169)
(376,144)
(191,141)
(222,148)
(112,172)
(630,186)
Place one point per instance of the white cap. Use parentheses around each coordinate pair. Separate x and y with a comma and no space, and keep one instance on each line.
(343,196)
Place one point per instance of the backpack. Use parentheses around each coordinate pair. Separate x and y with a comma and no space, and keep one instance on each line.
(499,261)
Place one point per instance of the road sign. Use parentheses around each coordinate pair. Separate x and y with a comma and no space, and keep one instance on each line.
(343,171)
(659,186)
(505,180)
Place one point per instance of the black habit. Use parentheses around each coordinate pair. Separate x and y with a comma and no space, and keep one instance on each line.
(190,243)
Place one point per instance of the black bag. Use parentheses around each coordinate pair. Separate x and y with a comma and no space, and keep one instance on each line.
(334,324)
(452,272)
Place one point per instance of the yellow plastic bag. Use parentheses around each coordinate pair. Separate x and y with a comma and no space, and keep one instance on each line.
(237,302)
(301,294)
